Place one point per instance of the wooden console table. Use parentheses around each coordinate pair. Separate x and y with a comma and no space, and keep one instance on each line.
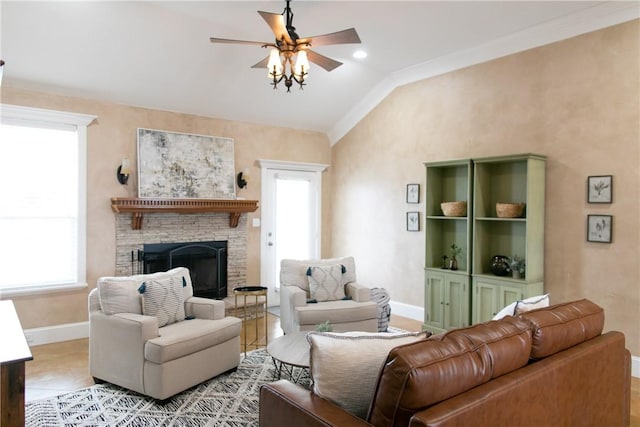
(14,351)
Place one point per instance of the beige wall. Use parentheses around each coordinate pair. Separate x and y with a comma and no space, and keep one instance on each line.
(113,136)
(575,101)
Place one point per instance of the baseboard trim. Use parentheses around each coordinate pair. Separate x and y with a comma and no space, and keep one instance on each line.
(417,313)
(406,310)
(57,333)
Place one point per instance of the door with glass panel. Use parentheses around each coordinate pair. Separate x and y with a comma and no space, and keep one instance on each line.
(290,220)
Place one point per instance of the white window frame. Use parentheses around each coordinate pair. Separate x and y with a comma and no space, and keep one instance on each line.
(37,117)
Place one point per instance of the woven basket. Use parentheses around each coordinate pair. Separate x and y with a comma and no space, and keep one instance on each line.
(509,210)
(454,208)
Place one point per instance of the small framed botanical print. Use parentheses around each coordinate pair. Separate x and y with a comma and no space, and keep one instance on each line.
(413,193)
(599,189)
(599,228)
(413,221)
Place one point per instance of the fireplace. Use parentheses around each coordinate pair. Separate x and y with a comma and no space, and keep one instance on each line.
(167,228)
(206,261)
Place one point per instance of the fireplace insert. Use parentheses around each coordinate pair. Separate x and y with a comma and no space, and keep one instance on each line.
(206,261)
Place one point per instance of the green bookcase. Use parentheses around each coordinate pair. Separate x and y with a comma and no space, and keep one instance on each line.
(447,292)
(472,294)
(507,179)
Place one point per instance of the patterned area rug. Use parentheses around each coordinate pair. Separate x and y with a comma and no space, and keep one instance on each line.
(227,400)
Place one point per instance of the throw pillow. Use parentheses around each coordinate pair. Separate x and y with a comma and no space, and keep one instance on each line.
(507,311)
(325,282)
(164,298)
(119,295)
(522,306)
(532,303)
(345,366)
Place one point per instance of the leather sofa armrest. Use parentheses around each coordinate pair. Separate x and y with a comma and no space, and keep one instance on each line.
(283,403)
(358,292)
(204,308)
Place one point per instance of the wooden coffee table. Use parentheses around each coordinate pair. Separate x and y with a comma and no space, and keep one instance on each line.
(289,352)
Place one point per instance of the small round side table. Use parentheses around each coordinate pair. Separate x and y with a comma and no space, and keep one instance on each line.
(252,291)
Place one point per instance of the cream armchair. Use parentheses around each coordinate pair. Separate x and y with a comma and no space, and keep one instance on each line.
(133,349)
(302,310)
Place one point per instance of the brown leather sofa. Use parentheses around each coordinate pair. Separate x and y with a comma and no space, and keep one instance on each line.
(547,367)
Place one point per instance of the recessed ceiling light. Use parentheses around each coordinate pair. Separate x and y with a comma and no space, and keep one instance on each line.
(359,54)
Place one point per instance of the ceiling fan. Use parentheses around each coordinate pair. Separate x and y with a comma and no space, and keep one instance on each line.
(288,45)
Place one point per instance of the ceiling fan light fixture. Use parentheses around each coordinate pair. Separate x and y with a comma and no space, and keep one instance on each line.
(301,68)
(282,68)
(274,66)
(289,46)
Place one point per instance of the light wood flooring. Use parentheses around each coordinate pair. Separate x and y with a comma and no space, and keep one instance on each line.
(62,367)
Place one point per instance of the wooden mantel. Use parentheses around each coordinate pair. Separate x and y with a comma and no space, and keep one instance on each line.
(138,207)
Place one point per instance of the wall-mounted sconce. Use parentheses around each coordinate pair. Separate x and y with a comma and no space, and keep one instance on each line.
(123,172)
(1,70)
(243,178)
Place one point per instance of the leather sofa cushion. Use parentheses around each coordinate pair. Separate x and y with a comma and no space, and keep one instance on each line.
(336,312)
(561,326)
(421,374)
(190,336)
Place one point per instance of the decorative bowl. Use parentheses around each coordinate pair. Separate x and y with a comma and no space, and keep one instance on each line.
(509,210)
(454,208)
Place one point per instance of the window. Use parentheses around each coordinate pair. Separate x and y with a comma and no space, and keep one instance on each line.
(43,208)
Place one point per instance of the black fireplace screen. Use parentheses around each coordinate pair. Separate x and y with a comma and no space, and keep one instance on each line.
(206,261)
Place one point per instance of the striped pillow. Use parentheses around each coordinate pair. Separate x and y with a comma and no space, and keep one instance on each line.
(164,299)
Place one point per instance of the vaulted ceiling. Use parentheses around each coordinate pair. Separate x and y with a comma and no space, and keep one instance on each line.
(157,54)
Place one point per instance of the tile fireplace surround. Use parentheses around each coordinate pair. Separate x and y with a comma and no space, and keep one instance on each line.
(175,227)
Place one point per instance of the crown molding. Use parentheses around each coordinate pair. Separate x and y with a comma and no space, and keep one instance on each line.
(595,18)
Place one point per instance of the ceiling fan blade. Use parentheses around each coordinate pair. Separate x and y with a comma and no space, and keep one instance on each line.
(231,41)
(339,37)
(261,64)
(323,61)
(277,25)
